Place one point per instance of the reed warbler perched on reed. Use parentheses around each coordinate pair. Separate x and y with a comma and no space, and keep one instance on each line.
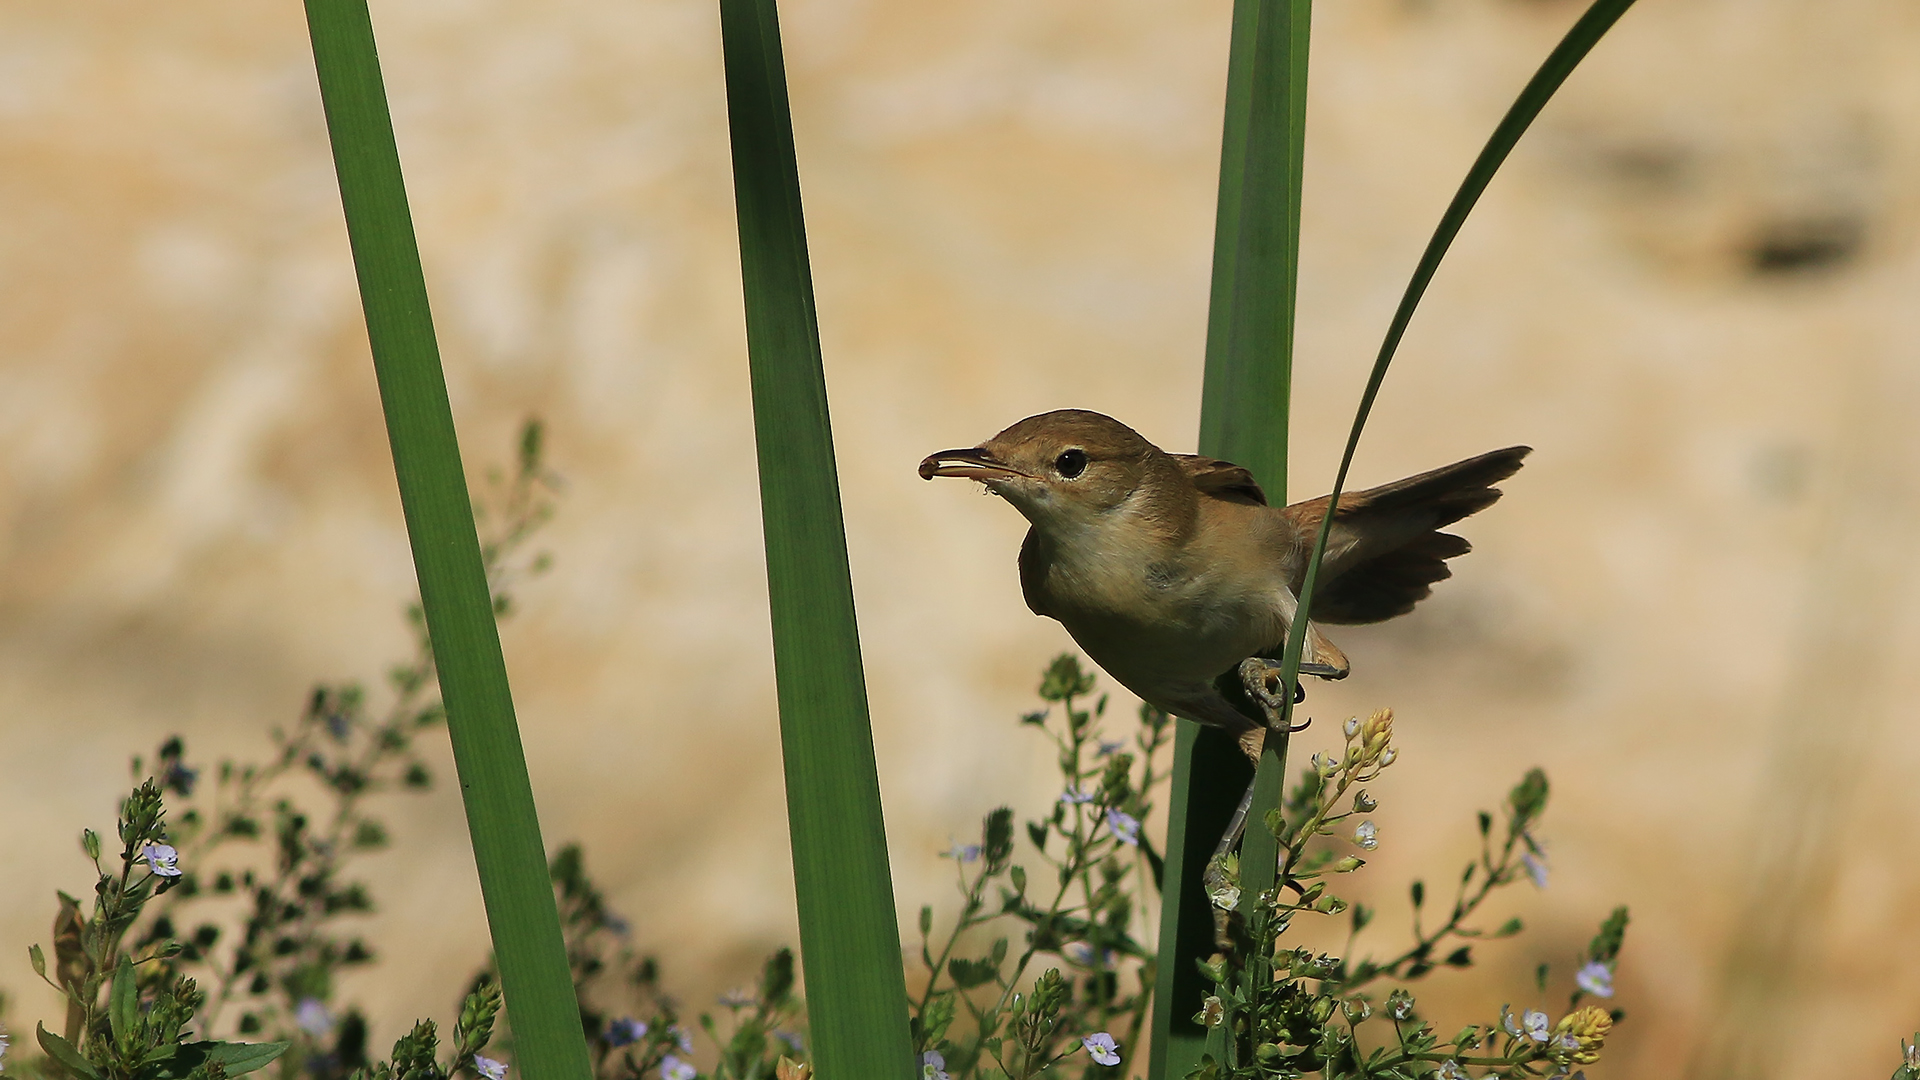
(1171,569)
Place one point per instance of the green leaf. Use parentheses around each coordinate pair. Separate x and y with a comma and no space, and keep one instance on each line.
(1243,418)
(849,934)
(238,1058)
(63,1052)
(967,974)
(123,1003)
(1605,946)
(454,596)
(235,1058)
(1580,40)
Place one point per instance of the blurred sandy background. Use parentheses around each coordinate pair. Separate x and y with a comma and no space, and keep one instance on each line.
(1693,291)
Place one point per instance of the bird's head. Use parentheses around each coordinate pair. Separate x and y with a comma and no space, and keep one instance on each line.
(1059,469)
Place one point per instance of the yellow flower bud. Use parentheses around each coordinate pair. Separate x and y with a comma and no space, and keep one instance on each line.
(1375,734)
(1578,1036)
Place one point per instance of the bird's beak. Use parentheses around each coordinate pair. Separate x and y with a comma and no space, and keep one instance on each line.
(974,464)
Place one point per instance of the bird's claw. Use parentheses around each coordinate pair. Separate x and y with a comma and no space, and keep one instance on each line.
(1265,685)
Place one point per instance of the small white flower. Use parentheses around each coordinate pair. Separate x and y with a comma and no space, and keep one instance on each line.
(1367,836)
(1912,1053)
(1325,764)
(1536,869)
(1569,1041)
(737,999)
(1126,828)
(1101,1047)
(4,1043)
(1387,756)
(1402,1007)
(1073,796)
(311,1016)
(1450,1070)
(672,1068)
(1536,1022)
(489,1069)
(1226,897)
(162,859)
(1508,1023)
(1595,978)
(933,1066)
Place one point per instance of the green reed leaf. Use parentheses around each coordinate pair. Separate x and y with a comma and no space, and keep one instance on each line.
(507,845)
(1573,48)
(1243,418)
(849,935)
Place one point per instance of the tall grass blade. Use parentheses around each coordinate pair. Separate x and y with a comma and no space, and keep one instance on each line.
(849,939)
(1573,48)
(446,552)
(1243,418)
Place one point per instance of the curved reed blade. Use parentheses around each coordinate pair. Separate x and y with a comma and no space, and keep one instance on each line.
(849,937)
(1573,48)
(446,552)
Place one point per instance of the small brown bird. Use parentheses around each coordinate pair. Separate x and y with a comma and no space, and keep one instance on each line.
(1170,569)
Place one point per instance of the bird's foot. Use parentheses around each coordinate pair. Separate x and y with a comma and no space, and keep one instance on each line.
(1265,684)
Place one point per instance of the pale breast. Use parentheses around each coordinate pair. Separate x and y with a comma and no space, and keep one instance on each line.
(1160,613)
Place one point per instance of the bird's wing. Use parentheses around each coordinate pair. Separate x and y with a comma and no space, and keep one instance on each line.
(1221,479)
(1386,549)
(1033,574)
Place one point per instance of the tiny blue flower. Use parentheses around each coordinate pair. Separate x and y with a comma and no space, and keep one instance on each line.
(1073,796)
(933,1066)
(672,1068)
(163,860)
(1595,978)
(625,1031)
(615,924)
(736,999)
(1536,1022)
(1101,1047)
(1536,869)
(1126,828)
(489,1069)
(791,1038)
(1081,953)
(962,852)
(1107,749)
(682,1038)
(181,779)
(311,1016)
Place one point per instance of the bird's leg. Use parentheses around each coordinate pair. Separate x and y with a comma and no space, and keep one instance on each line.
(1261,677)
(1263,682)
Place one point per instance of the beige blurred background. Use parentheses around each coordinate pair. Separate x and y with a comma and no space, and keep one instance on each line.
(1692,291)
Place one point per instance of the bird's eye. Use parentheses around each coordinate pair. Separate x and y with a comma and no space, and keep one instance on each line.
(1071,463)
